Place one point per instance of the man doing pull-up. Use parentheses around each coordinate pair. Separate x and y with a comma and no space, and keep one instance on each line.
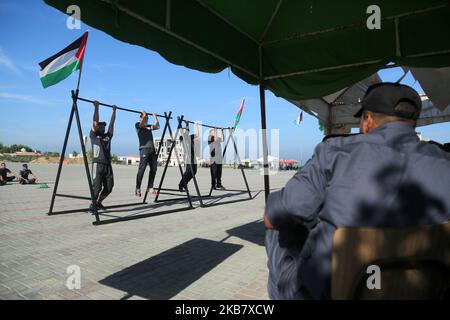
(102,174)
(147,151)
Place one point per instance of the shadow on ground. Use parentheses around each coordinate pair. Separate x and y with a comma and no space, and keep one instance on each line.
(165,275)
(253,232)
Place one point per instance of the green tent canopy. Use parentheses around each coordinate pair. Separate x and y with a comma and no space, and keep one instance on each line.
(300,49)
(296,48)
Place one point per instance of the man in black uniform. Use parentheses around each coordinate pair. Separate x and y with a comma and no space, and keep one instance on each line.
(24,175)
(147,151)
(103,179)
(191,150)
(215,151)
(4,174)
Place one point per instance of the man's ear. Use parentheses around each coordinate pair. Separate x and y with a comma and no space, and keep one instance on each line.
(370,122)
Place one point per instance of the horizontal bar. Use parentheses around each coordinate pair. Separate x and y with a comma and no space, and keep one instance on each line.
(139,216)
(233,190)
(169,193)
(87,209)
(175,199)
(54,213)
(72,196)
(166,189)
(118,108)
(207,125)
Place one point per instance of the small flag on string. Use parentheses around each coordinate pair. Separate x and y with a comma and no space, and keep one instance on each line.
(299,118)
(64,63)
(321,126)
(238,116)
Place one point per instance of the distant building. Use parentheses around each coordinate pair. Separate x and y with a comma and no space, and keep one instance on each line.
(73,156)
(131,160)
(23,152)
(165,150)
(249,163)
(163,154)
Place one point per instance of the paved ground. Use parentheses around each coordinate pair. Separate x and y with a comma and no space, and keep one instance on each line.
(205,253)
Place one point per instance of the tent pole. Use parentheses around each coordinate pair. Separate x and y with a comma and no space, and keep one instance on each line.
(264,141)
(329,129)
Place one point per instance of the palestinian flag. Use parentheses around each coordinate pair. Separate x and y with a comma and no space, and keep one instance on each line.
(238,116)
(61,65)
(299,118)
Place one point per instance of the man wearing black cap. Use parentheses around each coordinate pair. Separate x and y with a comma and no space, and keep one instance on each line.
(103,178)
(383,177)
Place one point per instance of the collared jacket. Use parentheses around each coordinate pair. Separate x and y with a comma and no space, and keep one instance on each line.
(385,178)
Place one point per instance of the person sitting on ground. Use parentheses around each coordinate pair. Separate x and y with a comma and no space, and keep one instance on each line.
(216,160)
(24,175)
(147,152)
(103,178)
(4,178)
(384,177)
(191,151)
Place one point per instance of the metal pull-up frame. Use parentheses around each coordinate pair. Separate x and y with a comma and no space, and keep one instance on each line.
(199,195)
(74,111)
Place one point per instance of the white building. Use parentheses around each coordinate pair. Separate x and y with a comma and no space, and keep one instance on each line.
(163,154)
(165,150)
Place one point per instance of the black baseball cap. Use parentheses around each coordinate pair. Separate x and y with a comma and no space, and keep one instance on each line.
(102,123)
(385,96)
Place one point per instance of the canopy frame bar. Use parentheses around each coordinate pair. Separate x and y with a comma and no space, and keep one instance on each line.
(179,37)
(351,25)
(212,11)
(269,24)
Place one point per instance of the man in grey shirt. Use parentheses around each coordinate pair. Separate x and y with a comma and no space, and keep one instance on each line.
(383,177)
(147,152)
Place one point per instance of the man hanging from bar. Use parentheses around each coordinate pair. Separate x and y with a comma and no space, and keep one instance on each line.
(215,151)
(102,174)
(192,148)
(147,151)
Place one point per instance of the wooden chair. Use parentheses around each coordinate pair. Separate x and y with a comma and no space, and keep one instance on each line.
(414,262)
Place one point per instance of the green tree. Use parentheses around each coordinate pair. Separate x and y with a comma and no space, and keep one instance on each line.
(74,153)
(89,155)
(17,147)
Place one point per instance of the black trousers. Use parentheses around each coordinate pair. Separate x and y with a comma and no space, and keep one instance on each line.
(103,180)
(216,174)
(147,156)
(191,170)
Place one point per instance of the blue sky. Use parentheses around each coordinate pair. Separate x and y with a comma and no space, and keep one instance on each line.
(128,76)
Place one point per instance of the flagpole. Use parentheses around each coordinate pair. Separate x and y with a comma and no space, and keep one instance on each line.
(81,65)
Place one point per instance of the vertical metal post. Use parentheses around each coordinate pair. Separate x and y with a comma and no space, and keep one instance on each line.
(240,166)
(83,150)
(61,159)
(180,119)
(264,141)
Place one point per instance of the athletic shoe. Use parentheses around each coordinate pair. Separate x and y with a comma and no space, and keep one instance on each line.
(93,209)
(152,191)
(100,206)
(219,186)
(213,187)
(180,188)
(138,193)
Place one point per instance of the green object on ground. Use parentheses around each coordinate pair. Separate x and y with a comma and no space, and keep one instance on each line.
(43,186)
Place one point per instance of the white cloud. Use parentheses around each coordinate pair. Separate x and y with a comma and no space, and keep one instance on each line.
(6,62)
(25,98)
